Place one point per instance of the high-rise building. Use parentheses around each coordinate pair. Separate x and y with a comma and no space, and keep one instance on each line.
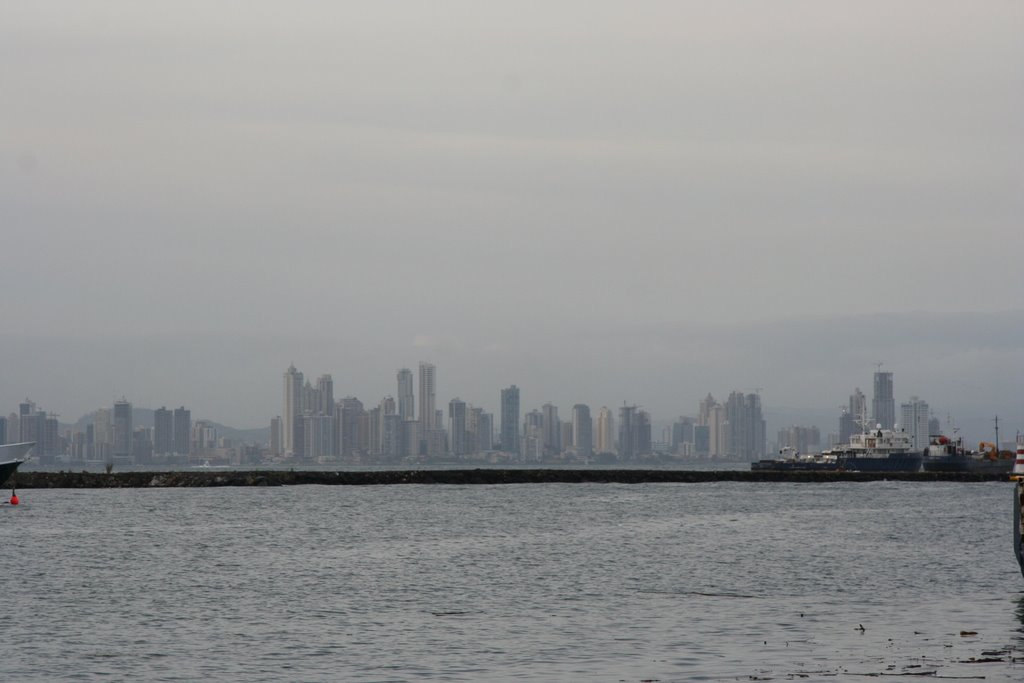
(204,437)
(510,419)
(883,405)
(182,431)
(716,422)
(704,412)
(373,430)
(605,431)
(293,384)
(406,404)
(852,418)
(319,436)
(349,412)
(324,396)
(3,430)
(565,442)
(484,432)
(582,430)
(745,431)
(275,435)
(642,425)
(682,433)
(457,427)
(390,435)
(627,433)
(163,431)
(914,416)
(428,394)
(103,434)
(552,428)
(122,429)
(702,440)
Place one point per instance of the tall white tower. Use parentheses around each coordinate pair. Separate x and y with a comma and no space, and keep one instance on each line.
(292,407)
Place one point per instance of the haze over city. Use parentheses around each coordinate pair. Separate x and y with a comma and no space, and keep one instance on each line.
(597,202)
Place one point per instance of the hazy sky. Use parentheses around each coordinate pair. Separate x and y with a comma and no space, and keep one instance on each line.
(597,201)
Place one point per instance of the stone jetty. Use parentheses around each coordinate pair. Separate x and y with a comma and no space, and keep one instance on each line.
(79,480)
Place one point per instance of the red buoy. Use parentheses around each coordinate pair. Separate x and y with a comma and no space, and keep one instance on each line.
(14,498)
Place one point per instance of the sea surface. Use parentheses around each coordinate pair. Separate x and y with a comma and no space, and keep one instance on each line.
(548,582)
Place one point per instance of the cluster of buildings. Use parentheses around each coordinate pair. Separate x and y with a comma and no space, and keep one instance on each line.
(410,426)
(316,428)
(110,436)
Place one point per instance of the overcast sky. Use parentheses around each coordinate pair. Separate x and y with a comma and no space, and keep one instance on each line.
(599,202)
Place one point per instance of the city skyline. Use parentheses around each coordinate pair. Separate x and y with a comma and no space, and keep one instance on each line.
(314,428)
(846,416)
(503,196)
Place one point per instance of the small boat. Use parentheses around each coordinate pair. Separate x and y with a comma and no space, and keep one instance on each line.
(11,456)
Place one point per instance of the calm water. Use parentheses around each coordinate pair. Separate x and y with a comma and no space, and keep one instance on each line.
(577,582)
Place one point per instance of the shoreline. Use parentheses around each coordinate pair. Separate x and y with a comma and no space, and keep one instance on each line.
(79,480)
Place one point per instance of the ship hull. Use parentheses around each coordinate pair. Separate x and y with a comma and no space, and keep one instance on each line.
(966,463)
(12,455)
(7,469)
(894,462)
(785,466)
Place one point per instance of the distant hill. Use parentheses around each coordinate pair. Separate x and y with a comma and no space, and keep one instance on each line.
(143,417)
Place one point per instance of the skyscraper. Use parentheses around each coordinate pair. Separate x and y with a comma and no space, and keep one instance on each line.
(319,436)
(324,396)
(428,393)
(642,425)
(349,412)
(275,435)
(484,432)
(405,397)
(883,405)
(163,431)
(682,433)
(457,427)
(627,433)
(182,444)
(552,430)
(510,419)
(122,429)
(582,429)
(914,420)
(605,431)
(745,428)
(292,407)
(850,421)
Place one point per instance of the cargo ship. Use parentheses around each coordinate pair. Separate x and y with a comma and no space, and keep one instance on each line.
(945,454)
(875,450)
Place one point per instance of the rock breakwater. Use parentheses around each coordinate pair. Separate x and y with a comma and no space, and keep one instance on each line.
(78,480)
